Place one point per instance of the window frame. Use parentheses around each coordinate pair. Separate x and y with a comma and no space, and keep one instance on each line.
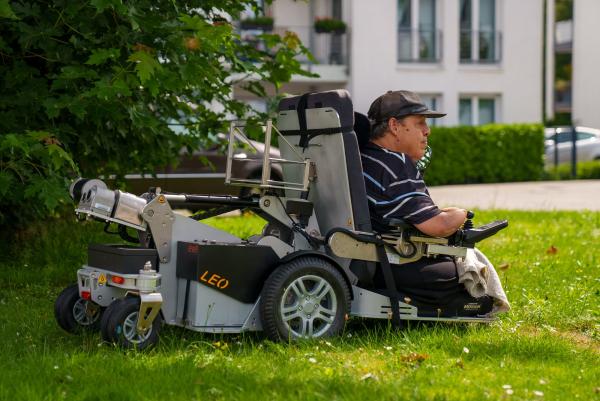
(475,32)
(474,99)
(414,34)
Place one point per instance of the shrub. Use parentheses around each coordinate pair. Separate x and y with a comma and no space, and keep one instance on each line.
(489,153)
(585,170)
(258,23)
(329,25)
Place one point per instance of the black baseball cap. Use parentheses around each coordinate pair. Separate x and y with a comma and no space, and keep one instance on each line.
(399,104)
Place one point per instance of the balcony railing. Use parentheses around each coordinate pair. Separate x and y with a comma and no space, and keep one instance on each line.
(419,45)
(563,36)
(329,51)
(480,46)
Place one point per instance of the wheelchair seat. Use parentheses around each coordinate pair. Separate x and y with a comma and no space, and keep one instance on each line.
(324,128)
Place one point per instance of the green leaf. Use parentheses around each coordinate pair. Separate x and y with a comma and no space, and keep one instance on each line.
(106,90)
(145,66)
(100,56)
(121,87)
(39,135)
(6,11)
(102,5)
(53,106)
(6,182)
(11,142)
(49,191)
(77,72)
(59,157)
(193,22)
(78,108)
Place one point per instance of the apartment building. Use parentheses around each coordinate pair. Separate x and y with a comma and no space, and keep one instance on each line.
(586,61)
(478,60)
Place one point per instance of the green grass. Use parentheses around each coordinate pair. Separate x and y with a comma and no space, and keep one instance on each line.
(546,348)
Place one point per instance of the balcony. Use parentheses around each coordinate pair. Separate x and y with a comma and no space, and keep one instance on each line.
(419,46)
(480,47)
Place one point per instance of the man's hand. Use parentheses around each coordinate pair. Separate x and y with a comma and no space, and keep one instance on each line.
(445,223)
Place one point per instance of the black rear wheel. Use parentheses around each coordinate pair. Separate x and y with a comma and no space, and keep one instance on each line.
(304,298)
(120,325)
(107,335)
(73,313)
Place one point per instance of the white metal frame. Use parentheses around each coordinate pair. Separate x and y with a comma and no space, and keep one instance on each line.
(265,182)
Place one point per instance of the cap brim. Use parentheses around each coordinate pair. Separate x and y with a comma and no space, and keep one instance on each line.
(431,114)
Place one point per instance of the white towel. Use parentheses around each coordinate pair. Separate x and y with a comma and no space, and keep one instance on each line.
(479,277)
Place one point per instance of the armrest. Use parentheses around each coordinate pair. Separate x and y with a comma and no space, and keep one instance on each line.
(469,237)
(399,223)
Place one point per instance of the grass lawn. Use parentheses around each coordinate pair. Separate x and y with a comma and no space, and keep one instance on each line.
(546,348)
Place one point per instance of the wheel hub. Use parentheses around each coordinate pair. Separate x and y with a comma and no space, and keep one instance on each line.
(308,306)
(85,313)
(131,332)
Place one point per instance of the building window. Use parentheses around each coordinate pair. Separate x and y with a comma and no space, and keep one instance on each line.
(477,110)
(432,102)
(480,41)
(418,38)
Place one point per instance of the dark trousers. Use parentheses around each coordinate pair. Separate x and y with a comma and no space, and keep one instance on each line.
(430,280)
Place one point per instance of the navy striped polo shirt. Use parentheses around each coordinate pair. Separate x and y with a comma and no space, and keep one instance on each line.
(395,188)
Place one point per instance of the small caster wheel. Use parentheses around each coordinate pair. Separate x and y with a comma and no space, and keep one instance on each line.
(304,298)
(119,325)
(74,313)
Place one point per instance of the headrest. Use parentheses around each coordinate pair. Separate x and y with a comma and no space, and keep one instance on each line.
(338,99)
(362,128)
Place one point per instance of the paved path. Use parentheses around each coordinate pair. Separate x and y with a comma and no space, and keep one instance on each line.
(545,195)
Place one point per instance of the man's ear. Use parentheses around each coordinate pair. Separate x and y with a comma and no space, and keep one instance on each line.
(393,123)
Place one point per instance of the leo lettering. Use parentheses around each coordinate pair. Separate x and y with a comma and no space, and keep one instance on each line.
(214,280)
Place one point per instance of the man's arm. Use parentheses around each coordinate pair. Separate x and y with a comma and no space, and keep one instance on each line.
(445,223)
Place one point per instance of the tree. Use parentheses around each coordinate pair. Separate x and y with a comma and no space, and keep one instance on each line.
(90,86)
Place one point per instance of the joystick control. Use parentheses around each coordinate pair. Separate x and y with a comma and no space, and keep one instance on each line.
(468,224)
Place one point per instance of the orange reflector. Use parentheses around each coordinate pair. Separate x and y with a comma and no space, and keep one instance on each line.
(86,294)
(117,279)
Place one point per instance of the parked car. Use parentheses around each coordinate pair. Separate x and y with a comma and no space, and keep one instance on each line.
(203,172)
(588,144)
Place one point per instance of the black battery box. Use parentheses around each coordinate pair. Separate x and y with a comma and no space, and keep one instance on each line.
(120,258)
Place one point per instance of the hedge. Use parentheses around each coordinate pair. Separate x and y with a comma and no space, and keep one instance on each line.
(488,153)
(585,171)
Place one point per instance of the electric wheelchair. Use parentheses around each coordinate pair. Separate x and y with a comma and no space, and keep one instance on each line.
(317,261)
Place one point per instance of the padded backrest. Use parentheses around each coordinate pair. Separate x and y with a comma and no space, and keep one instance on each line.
(320,127)
(362,128)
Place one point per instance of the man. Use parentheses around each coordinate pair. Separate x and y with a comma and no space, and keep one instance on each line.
(396,189)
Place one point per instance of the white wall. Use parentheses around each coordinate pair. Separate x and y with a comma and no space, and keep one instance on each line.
(517,79)
(586,63)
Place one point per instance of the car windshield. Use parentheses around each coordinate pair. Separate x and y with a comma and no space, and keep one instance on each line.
(566,136)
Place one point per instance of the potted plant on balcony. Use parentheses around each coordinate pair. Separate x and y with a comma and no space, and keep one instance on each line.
(330,25)
(218,21)
(260,22)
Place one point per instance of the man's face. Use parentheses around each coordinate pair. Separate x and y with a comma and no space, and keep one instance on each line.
(411,134)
